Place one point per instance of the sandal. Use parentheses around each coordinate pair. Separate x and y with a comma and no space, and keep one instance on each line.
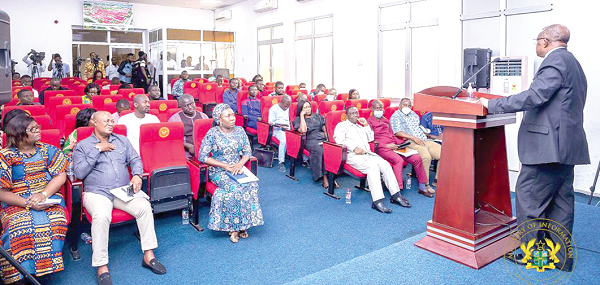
(234,237)
(244,234)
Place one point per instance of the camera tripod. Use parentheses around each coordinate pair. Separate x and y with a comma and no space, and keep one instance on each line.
(593,188)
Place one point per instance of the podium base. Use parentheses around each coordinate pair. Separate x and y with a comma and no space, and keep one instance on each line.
(474,259)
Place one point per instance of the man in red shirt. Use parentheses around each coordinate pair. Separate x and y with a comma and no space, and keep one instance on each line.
(388,142)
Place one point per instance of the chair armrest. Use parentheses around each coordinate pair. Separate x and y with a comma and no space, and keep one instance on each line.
(252,164)
(335,156)
(241,120)
(198,176)
(374,145)
(72,192)
(264,132)
(294,143)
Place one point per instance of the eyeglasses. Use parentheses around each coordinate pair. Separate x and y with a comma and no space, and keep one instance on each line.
(33,129)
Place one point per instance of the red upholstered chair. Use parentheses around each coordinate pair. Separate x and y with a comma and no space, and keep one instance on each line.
(219,93)
(343,96)
(292,89)
(358,103)
(389,111)
(63,110)
(328,106)
(268,90)
(16,89)
(50,136)
(173,82)
(163,157)
(152,112)
(206,94)
(38,82)
(241,96)
(386,102)
(198,80)
(100,100)
(54,102)
(191,88)
(320,98)
(129,94)
(44,121)
(16,83)
(102,82)
(57,93)
(335,155)
(263,128)
(243,80)
(15,101)
(162,106)
(79,89)
(33,110)
(364,113)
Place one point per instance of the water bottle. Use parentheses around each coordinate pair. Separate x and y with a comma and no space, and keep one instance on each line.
(470,92)
(70,171)
(185,216)
(85,237)
(348,196)
(408,183)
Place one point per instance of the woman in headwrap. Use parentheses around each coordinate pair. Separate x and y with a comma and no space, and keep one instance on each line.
(234,207)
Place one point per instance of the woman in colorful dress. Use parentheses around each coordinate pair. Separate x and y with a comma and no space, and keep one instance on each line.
(31,172)
(234,207)
(81,120)
(90,90)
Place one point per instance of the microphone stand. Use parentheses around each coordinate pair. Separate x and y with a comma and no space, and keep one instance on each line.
(468,79)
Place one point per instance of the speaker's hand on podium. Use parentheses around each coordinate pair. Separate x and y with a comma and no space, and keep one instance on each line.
(484,102)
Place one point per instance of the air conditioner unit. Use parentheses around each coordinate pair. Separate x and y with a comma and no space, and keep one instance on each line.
(264,5)
(510,75)
(223,15)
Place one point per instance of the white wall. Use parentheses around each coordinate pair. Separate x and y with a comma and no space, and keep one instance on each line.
(42,34)
(355,39)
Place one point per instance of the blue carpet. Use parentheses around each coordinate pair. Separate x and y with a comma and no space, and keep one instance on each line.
(307,238)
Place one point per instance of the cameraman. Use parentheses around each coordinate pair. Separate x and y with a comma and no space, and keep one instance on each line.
(141,75)
(91,66)
(34,63)
(126,69)
(58,68)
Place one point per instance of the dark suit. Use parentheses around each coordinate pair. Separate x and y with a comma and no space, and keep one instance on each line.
(551,139)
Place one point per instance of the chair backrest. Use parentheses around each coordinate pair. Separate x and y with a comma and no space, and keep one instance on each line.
(102,82)
(85,132)
(79,89)
(343,96)
(266,103)
(364,113)
(219,93)
(199,80)
(100,100)
(328,106)
(130,93)
(51,136)
(201,127)
(57,93)
(320,98)
(358,103)
(161,145)
(63,110)
(192,88)
(54,102)
(385,101)
(44,121)
(241,96)
(16,83)
(38,82)
(163,106)
(68,80)
(70,122)
(32,110)
(331,120)
(173,82)
(293,108)
(16,89)
(292,89)
(389,111)
(206,93)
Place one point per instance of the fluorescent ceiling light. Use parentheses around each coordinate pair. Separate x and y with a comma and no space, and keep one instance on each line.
(210,1)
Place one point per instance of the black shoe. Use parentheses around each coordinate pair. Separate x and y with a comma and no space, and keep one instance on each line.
(400,200)
(104,279)
(425,193)
(379,206)
(515,257)
(155,266)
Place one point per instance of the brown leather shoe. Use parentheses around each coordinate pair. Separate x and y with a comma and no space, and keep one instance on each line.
(425,193)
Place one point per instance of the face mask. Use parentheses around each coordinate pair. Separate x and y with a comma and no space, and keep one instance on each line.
(378,114)
(406,111)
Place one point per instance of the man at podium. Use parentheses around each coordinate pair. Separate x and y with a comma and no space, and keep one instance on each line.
(551,137)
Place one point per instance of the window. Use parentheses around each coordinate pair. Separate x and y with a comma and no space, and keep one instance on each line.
(270,52)
(314,51)
(408,48)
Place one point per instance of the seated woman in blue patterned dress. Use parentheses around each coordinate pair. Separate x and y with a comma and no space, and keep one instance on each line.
(31,172)
(234,207)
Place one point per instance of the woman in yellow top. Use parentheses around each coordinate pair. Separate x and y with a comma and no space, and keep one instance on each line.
(90,90)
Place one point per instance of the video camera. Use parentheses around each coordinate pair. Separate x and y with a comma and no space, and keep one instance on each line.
(95,60)
(36,56)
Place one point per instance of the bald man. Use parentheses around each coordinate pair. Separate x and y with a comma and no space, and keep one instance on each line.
(102,161)
(551,137)
(134,120)
(279,117)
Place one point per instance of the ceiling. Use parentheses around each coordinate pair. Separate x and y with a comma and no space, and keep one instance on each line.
(197,4)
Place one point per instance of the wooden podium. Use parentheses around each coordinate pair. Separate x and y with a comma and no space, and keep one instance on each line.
(472,215)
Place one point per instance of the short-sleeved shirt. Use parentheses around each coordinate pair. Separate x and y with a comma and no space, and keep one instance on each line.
(279,116)
(133,124)
(408,124)
(314,127)
(65,69)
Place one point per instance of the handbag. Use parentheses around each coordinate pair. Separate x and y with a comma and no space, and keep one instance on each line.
(264,156)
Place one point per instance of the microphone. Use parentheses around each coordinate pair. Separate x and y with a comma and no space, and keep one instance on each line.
(468,79)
